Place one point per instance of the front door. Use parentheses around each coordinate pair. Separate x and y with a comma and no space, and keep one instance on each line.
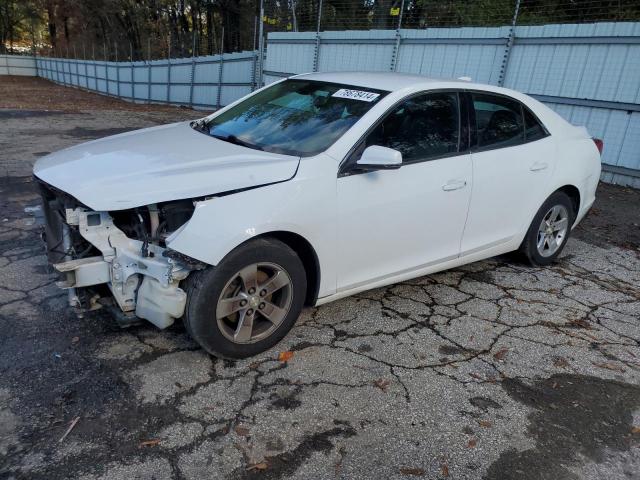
(392,222)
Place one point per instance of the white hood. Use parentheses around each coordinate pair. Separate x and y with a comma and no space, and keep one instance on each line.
(158,164)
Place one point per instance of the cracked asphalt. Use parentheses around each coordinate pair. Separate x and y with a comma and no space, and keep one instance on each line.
(496,370)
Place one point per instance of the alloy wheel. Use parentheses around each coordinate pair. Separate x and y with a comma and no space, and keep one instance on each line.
(254,302)
(552,230)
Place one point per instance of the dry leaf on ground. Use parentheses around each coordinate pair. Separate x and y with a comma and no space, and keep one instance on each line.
(285,356)
(609,366)
(500,354)
(382,384)
(416,472)
(258,466)
(149,443)
(560,362)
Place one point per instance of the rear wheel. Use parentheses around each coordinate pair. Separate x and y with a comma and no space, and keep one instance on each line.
(248,302)
(549,230)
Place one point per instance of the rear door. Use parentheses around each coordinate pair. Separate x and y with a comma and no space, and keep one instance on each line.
(513,158)
(391,222)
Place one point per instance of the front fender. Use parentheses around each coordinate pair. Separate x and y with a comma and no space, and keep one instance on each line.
(304,205)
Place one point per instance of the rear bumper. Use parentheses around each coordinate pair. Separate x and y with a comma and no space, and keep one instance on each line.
(583,212)
(588,194)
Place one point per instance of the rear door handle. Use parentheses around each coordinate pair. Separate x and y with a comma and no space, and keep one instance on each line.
(454,185)
(538,166)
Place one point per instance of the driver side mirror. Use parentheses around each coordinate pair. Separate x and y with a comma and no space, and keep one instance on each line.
(376,157)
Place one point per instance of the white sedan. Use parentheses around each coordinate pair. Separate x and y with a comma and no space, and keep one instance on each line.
(306,191)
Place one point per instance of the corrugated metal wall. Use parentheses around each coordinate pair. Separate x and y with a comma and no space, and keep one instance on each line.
(589,73)
(17,65)
(205,82)
(597,65)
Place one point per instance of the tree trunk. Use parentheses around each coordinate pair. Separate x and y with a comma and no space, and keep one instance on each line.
(209,26)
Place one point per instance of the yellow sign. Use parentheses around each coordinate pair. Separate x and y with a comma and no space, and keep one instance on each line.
(395,11)
(269,20)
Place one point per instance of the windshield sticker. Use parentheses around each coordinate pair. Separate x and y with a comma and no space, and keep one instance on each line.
(356,95)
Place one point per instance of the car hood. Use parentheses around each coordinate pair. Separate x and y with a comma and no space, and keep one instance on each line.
(158,164)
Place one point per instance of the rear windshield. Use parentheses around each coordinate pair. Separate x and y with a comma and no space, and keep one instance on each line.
(294,117)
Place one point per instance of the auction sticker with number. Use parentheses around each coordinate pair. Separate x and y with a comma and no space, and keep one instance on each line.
(356,95)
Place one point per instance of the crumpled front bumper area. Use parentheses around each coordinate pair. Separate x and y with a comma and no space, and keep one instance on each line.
(143,280)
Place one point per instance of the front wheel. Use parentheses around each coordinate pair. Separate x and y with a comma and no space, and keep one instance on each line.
(248,302)
(549,230)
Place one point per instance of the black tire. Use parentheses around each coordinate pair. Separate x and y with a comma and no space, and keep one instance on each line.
(528,248)
(205,287)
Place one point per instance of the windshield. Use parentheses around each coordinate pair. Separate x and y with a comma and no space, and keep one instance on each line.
(294,117)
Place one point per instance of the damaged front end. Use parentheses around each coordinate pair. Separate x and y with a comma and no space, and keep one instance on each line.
(118,259)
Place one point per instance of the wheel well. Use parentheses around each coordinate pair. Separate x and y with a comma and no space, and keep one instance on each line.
(574,194)
(309,258)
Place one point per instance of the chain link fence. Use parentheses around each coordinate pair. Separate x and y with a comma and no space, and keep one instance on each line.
(213,27)
(324,15)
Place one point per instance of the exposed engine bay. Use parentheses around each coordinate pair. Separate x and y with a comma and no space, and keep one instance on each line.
(118,259)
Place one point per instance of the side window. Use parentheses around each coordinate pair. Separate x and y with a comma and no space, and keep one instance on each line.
(498,121)
(532,129)
(422,127)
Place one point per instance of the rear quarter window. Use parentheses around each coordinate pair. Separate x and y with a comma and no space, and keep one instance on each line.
(533,129)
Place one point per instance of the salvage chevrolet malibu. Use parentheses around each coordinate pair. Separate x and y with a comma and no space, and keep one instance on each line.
(308,190)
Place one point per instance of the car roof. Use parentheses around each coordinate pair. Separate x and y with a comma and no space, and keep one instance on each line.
(389,81)
(395,82)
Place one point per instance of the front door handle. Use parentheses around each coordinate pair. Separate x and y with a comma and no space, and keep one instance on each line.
(454,185)
(536,167)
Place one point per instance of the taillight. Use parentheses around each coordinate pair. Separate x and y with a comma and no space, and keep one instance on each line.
(599,144)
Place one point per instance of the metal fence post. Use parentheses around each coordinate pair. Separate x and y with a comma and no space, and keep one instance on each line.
(69,67)
(220,66)
(507,48)
(255,54)
(51,62)
(396,46)
(84,64)
(149,70)
(169,72)
(57,60)
(115,46)
(35,54)
(193,70)
(95,68)
(316,51)
(65,66)
(261,47)
(106,69)
(75,61)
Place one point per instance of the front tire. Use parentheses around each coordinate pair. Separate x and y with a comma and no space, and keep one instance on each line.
(549,230)
(248,302)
